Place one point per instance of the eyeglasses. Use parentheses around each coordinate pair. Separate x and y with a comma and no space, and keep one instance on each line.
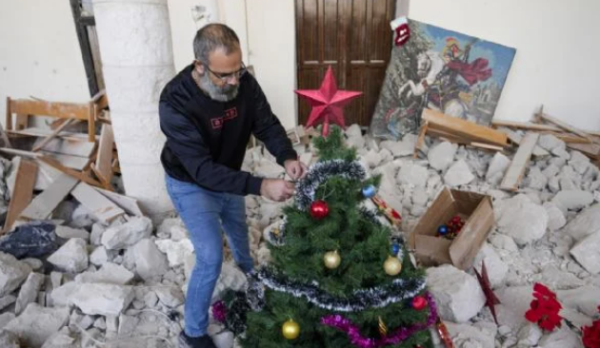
(227,77)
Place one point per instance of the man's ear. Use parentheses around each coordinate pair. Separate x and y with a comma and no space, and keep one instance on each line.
(199,67)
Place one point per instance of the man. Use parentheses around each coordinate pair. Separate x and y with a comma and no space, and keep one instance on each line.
(208,112)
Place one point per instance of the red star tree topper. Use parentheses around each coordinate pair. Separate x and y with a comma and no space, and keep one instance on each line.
(327,103)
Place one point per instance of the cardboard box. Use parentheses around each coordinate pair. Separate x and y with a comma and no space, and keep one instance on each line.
(478,212)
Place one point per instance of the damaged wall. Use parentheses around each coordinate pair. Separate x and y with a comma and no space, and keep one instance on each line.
(556,62)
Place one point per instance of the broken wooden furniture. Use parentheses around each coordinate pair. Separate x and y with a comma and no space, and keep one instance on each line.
(586,142)
(73,153)
(456,130)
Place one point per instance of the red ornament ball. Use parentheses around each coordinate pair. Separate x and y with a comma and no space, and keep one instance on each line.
(419,302)
(319,210)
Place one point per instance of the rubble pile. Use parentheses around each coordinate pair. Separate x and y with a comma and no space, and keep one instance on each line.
(122,284)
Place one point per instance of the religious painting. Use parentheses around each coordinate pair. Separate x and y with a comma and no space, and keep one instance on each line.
(440,69)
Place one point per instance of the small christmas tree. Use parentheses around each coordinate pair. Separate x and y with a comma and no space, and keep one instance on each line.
(337,277)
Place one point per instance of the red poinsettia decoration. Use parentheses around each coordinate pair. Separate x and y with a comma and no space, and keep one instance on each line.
(591,334)
(544,309)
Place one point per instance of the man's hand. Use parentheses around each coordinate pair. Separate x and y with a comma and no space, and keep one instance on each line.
(295,169)
(276,189)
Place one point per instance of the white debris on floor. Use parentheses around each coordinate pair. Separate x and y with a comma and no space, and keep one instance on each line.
(123,285)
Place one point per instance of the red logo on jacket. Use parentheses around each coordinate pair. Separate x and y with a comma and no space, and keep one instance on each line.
(230,114)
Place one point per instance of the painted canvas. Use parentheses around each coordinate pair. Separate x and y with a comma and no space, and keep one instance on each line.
(436,68)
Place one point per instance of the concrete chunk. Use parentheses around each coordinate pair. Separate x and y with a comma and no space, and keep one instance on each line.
(36,324)
(587,253)
(12,273)
(128,234)
(458,174)
(29,291)
(458,295)
(102,299)
(150,262)
(72,256)
(441,156)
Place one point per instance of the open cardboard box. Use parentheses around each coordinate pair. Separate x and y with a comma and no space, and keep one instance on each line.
(478,212)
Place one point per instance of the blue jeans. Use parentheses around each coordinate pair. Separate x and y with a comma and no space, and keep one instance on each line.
(205,214)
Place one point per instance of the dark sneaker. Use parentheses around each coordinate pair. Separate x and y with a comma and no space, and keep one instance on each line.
(195,342)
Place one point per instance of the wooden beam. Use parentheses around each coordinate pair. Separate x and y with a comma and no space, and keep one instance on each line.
(485,146)
(70,147)
(16,152)
(105,153)
(42,132)
(75,174)
(44,204)
(103,208)
(93,110)
(573,139)
(590,150)
(516,170)
(525,126)
(22,192)
(563,125)
(49,138)
(463,128)
(447,136)
(54,109)
(516,139)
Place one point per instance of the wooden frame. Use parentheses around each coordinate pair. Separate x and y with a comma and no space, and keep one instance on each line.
(83,112)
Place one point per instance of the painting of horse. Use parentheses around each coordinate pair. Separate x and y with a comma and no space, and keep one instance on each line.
(444,70)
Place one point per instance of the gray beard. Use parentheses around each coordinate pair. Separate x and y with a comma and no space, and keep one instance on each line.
(222,94)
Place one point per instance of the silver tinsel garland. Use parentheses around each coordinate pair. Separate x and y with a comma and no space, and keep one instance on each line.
(319,173)
(362,299)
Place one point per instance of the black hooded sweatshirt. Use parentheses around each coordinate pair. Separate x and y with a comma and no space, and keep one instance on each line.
(207,139)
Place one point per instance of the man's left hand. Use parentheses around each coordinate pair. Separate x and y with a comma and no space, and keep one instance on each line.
(295,169)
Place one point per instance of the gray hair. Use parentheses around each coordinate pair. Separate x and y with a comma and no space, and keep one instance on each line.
(212,37)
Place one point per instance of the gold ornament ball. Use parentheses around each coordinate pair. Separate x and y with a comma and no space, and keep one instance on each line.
(290,330)
(392,266)
(332,259)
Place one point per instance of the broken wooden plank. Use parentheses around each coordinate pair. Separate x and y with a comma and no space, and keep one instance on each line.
(21,193)
(42,132)
(129,204)
(573,139)
(516,139)
(485,146)
(46,108)
(516,170)
(53,135)
(73,162)
(463,128)
(57,165)
(17,152)
(70,147)
(103,167)
(590,150)
(525,126)
(44,204)
(103,208)
(447,136)
(563,125)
